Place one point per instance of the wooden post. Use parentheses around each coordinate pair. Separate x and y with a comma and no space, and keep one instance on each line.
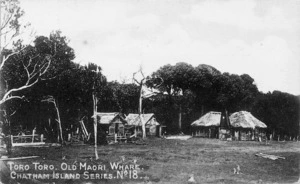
(179,118)
(11,138)
(33,132)
(140,112)
(59,123)
(159,131)
(95,100)
(52,100)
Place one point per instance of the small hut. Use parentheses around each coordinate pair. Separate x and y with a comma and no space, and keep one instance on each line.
(151,125)
(207,125)
(112,123)
(246,127)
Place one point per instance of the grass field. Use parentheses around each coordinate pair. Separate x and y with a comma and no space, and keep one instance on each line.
(172,161)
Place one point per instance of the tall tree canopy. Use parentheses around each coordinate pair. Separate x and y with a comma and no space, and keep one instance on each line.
(201,89)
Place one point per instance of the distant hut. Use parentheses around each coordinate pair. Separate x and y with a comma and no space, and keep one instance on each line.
(112,123)
(207,125)
(245,126)
(153,128)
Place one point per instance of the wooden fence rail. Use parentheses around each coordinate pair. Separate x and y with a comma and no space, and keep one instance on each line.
(27,140)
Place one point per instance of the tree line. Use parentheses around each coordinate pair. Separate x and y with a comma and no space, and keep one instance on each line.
(186,92)
(42,87)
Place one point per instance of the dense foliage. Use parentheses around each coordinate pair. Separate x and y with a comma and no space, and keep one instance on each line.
(32,73)
(186,90)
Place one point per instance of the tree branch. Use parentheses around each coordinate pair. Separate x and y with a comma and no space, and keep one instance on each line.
(49,99)
(4,33)
(7,96)
(12,97)
(7,21)
(8,56)
(47,64)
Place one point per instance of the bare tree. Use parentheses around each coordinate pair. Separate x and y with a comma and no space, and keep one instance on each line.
(34,72)
(97,82)
(140,83)
(10,27)
(95,102)
(10,30)
(142,96)
(51,99)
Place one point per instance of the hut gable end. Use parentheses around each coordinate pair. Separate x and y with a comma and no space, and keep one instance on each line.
(108,118)
(134,119)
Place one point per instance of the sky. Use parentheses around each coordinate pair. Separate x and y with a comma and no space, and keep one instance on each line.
(260,38)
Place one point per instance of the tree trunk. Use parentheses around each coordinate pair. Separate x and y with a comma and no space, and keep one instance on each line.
(95,124)
(59,123)
(179,118)
(140,114)
(227,119)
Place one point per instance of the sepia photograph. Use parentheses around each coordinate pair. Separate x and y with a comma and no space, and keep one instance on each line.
(149,91)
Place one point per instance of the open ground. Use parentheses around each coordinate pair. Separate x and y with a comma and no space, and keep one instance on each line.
(173,161)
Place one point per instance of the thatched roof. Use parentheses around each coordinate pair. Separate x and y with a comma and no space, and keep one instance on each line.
(107,118)
(244,119)
(209,119)
(134,119)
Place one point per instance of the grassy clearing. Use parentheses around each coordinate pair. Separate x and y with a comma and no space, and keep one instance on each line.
(172,161)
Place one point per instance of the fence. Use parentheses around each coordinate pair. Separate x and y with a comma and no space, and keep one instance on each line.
(27,140)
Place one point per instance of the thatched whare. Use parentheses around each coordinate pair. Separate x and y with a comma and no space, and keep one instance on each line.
(112,123)
(207,125)
(153,128)
(246,127)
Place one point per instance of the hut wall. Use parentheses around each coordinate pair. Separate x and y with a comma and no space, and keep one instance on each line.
(243,134)
(208,132)
(248,134)
(200,132)
(224,134)
(121,130)
(111,130)
(151,127)
(160,130)
(213,132)
(151,130)
(236,134)
(139,131)
(260,135)
(116,128)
